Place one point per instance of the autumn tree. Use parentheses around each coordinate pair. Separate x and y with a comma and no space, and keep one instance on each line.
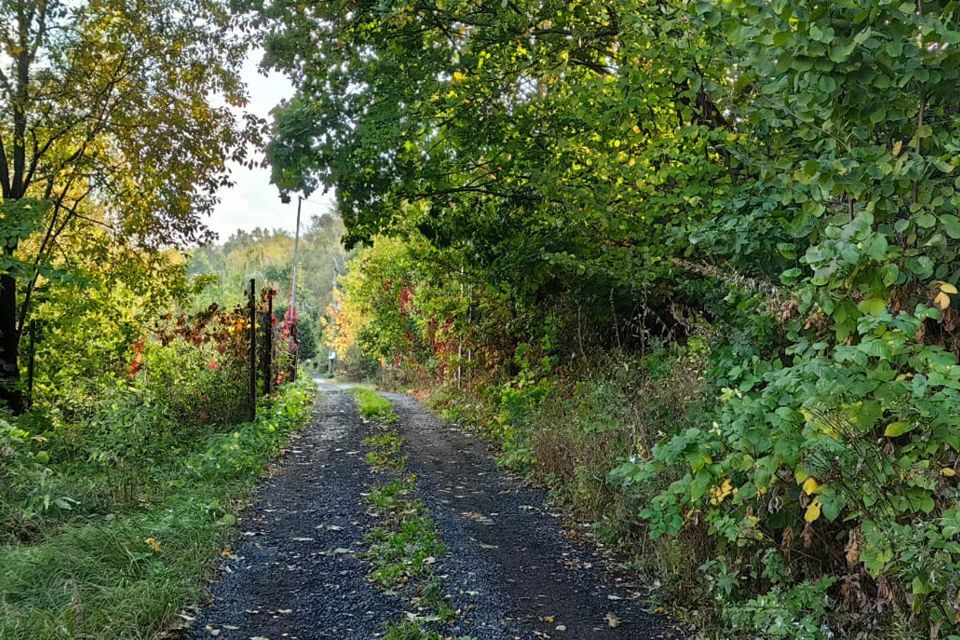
(115,113)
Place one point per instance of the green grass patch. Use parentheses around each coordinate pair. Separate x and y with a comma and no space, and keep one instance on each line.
(409,630)
(405,545)
(413,629)
(389,499)
(406,550)
(373,406)
(384,451)
(127,574)
(431,598)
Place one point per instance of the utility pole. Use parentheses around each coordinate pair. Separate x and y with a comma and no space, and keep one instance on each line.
(292,310)
(296,254)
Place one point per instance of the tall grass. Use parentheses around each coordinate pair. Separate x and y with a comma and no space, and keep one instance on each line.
(127,574)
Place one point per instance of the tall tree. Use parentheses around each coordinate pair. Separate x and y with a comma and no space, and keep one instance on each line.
(115,106)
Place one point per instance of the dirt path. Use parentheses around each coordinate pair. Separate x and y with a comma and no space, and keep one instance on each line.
(510,570)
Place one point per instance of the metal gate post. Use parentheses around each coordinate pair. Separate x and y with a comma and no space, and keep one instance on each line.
(268,347)
(253,349)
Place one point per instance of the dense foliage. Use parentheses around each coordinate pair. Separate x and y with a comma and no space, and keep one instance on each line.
(126,443)
(754,201)
(137,449)
(113,115)
(121,516)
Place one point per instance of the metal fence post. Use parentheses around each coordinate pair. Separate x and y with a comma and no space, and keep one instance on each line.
(253,349)
(268,347)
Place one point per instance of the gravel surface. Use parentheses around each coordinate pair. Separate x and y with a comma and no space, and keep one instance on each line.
(293,572)
(511,572)
(510,568)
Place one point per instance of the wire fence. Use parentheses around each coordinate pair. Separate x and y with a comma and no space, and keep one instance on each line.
(250,350)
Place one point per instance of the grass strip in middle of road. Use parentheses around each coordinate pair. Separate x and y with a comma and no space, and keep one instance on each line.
(405,544)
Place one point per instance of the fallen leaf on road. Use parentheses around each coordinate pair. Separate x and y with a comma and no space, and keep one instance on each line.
(612,620)
(476,517)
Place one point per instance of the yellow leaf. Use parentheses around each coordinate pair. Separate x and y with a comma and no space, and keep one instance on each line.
(948,472)
(811,486)
(897,146)
(719,494)
(942,300)
(153,544)
(948,288)
(813,511)
(458,76)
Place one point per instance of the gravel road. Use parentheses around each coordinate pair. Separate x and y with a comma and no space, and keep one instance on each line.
(293,573)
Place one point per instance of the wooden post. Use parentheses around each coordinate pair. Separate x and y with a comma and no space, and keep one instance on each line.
(268,348)
(253,349)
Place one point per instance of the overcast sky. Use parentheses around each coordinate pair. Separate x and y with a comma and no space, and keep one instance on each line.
(253,201)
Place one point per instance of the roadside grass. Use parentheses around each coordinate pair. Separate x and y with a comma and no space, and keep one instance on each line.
(406,544)
(127,575)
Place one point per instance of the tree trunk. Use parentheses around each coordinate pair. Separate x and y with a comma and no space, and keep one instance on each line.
(10,392)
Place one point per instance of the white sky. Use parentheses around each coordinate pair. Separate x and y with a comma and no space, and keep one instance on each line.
(253,201)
